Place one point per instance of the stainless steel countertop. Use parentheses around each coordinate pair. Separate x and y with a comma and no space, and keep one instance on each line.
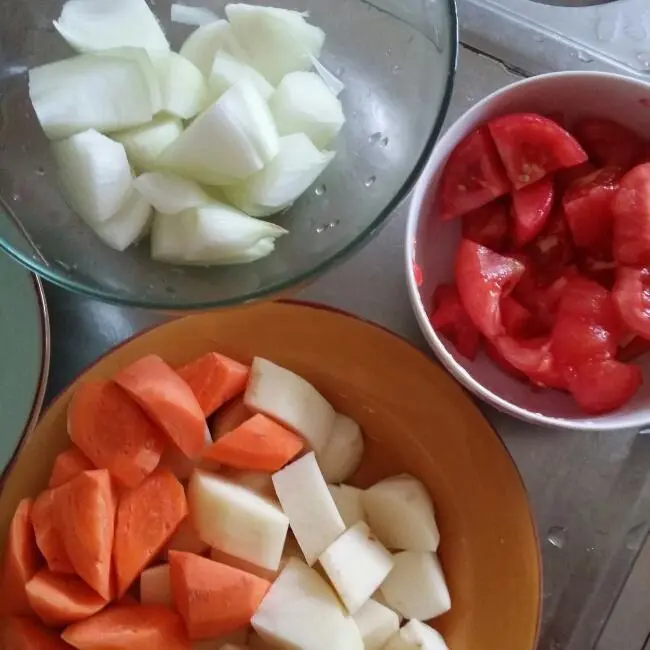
(589,491)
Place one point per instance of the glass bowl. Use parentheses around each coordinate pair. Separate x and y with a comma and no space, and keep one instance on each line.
(397,60)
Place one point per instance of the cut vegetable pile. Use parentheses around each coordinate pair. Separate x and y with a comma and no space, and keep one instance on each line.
(154,534)
(552,273)
(192,146)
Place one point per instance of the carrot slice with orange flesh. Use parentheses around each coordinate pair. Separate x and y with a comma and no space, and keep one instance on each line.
(59,599)
(258,444)
(85,518)
(20,562)
(213,599)
(114,432)
(147,517)
(68,464)
(129,627)
(24,634)
(214,379)
(168,400)
(48,539)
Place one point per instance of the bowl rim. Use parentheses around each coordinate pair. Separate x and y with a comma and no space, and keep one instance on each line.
(463,376)
(36,263)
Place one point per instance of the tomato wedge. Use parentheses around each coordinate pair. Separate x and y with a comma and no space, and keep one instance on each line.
(552,251)
(483,278)
(588,208)
(566,177)
(532,146)
(472,177)
(599,267)
(492,353)
(534,358)
(634,349)
(632,297)
(450,319)
(531,206)
(516,318)
(488,225)
(631,208)
(608,143)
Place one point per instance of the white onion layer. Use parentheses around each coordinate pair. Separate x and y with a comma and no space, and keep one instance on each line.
(196,16)
(170,194)
(227,71)
(128,225)
(182,86)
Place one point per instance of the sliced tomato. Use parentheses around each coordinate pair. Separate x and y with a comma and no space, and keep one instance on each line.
(604,386)
(632,298)
(483,278)
(531,206)
(607,142)
(492,352)
(588,208)
(566,177)
(633,349)
(631,208)
(488,225)
(516,318)
(552,251)
(534,358)
(532,146)
(472,177)
(599,267)
(450,319)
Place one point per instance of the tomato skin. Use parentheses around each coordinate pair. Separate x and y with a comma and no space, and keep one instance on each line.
(449,318)
(588,208)
(534,358)
(631,208)
(473,176)
(632,298)
(488,225)
(483,278)
(604,386)
(607,142)
(532,146)
(531,206)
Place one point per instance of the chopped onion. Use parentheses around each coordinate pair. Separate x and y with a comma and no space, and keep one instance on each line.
(203,44)
(283,180)
(95,174)
(99,92)
(231,140)
(171,194)
(185,15)
(94,25)
(303,103)
(209,235)
(182,86)
(278,41)
(145,143)
(330,80)
(227,71)
(142,58)
(127,226)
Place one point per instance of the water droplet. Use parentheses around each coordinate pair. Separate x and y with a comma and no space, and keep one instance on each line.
(355,113)
(40,171)
(556,536)
(371,181)
(607,27)
(636,536)
(384,141)
(327,226)
(339,71)
(636,31)
(584,57)
(320,190)
(389,51)
(15,196)
(644,59)
(396,68)
(374,138)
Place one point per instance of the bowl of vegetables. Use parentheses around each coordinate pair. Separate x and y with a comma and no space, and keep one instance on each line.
(527,250)
(180,156)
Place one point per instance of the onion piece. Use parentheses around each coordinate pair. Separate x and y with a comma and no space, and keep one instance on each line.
(211,235)
(278,41)
(95,174)
(297,165)
(171,194)
(227,71)
(185,15)
(99,92)
(330,80)
(128,225)
(145,143)
(231,140)
(182,86)
(303,103)
(203,44)
(94,25)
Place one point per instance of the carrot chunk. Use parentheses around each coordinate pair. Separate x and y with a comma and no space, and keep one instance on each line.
(25,634)
(85,518)
(59,599)
(230,417)
(114,432)
(168,401)
(20,562)
(48,539)
(68,464)
(129,627)
(214,379)
(147,517)
(214,599)
(257,444)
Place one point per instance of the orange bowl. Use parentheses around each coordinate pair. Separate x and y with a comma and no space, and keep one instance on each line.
(415,420)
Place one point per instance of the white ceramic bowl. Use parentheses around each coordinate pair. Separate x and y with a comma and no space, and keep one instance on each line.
(431,243)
